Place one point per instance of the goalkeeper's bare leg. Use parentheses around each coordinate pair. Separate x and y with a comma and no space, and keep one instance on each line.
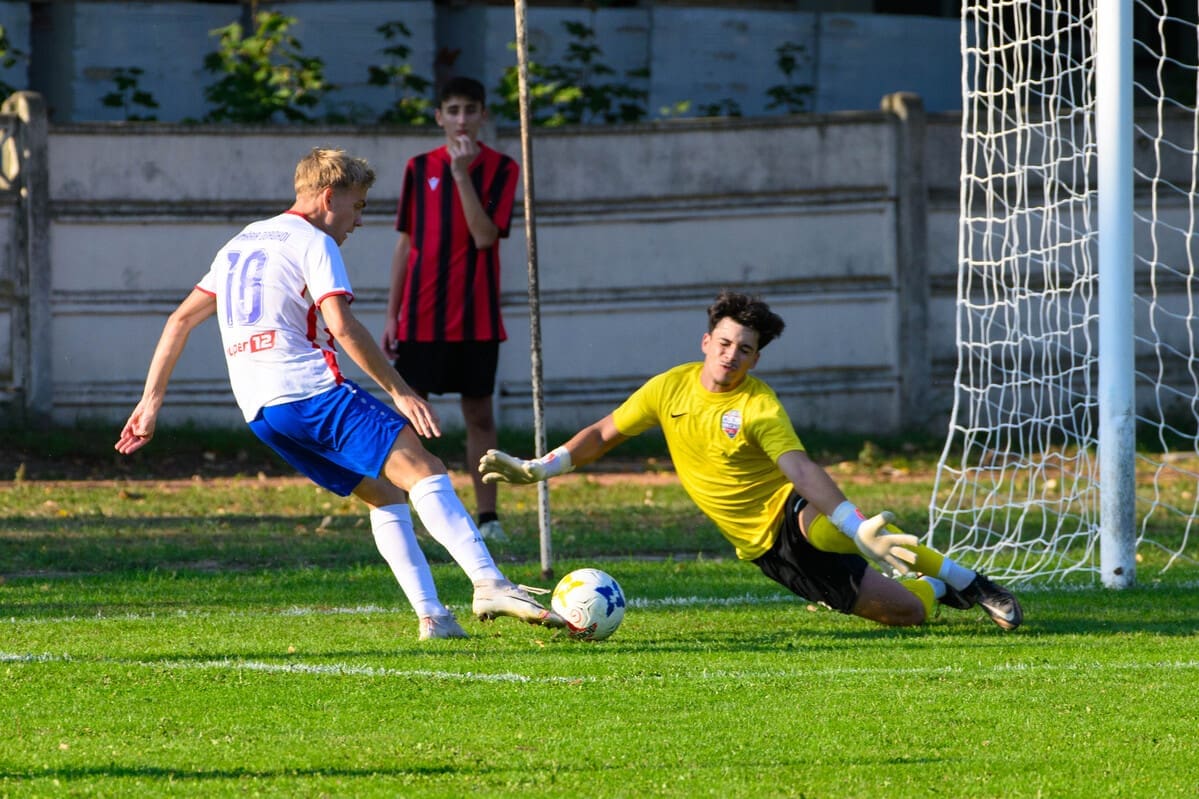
(841,580)
(888,601)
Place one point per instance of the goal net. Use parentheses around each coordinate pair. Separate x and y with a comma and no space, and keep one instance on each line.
(1018,488)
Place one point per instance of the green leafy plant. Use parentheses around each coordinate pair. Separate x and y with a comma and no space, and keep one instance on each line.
(728,107)
(675,110)
(412,105)
(128,95)
(575,92)
(9,57)
(790,96)
(263,75)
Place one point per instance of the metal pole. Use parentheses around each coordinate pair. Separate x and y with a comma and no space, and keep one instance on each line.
(526,154)
(1117,399)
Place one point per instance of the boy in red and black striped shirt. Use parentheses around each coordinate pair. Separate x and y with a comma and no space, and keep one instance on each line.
(444,324)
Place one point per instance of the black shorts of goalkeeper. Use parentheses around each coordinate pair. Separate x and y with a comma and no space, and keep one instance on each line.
(833,579)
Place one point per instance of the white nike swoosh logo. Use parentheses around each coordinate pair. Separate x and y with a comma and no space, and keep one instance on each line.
(1008,615)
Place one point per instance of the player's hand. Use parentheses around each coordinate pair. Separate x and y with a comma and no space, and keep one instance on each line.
(889,549)
(138,431)
(500,467)
(463,150)
(419,413)
(388,342)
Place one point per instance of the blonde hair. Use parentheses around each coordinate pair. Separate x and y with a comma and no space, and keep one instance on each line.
(326,168)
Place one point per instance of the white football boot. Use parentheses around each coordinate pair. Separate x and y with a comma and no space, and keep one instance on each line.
(441,627)
(495,598)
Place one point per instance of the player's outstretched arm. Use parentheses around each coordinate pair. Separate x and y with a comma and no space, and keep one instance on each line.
(587,445)
(891,548)
(498,466)
(139,429)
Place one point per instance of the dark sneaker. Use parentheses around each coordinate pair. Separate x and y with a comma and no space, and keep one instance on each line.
(999,603)
(953,598)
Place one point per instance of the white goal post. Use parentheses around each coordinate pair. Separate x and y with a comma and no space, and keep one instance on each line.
(1073,445)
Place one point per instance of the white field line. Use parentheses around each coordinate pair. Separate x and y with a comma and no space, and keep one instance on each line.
(361,610)
(366,610)
(337,669)
(748,600)
(347,670)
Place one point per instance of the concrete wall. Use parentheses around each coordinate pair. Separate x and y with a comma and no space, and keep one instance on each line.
(637,228)
(700,54)
(846,223)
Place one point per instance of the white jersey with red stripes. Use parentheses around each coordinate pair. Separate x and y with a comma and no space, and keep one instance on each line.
(268,282)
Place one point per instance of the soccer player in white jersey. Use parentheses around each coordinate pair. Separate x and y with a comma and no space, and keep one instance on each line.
(741,462)
(265,287)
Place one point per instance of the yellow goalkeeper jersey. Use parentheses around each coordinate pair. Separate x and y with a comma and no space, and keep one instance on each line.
(725,448)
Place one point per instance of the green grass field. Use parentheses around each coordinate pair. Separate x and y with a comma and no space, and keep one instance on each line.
(240,636)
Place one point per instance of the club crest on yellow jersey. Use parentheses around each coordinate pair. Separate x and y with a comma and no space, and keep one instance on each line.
(730,423)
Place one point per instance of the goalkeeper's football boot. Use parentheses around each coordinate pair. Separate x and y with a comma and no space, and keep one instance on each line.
(495,598)
(954,599)
(445,626)
(999,603)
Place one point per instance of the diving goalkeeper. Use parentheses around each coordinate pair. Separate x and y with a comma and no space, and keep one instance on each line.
(740,460)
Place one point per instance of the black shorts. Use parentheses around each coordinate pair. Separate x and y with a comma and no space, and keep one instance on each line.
(449,367)
(830,578)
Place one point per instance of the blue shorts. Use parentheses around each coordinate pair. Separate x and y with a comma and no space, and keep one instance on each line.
(334,439)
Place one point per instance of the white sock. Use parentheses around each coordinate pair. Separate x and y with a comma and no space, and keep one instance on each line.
(446,519)
(396,540)
(958,576)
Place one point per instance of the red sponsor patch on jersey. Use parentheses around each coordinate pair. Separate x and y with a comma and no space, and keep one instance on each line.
(262,341)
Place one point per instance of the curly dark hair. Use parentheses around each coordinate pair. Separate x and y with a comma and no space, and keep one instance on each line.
(752,312)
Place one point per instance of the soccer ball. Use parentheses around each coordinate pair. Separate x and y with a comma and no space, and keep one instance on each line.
(591,602)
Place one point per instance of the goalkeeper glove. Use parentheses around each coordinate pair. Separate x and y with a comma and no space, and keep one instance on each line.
(497,466)
(872,538)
